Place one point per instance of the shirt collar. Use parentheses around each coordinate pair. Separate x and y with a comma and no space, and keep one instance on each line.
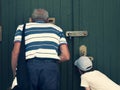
(40,21)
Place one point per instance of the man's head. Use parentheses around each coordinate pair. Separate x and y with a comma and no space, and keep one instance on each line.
(40,14)
(83,63)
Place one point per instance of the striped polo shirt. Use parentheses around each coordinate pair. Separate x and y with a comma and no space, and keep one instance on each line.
(42,40)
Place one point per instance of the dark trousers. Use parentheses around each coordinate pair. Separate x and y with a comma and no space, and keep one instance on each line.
(44,74)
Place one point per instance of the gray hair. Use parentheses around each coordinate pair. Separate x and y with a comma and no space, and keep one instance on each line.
(40,14)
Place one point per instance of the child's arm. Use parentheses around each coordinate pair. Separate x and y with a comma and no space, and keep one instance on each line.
(87,88)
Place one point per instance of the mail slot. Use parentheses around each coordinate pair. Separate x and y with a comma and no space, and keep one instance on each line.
(76,33)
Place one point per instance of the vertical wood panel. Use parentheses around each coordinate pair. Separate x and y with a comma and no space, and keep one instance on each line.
(5,45)
(0,51)
(66,24)
(118,41)
(56,10)
(93,19)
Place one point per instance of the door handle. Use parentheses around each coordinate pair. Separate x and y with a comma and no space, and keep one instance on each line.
(83,51)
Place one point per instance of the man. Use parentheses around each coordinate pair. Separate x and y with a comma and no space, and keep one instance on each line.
(43,41)
(93,79)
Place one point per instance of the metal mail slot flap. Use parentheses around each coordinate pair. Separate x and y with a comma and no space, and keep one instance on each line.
(76,33)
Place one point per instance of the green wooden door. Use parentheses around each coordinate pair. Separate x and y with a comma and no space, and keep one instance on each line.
(99,17)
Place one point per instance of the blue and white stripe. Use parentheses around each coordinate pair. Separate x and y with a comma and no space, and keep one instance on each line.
(42,40)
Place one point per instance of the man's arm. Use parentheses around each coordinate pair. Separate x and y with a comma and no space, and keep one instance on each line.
(15,53)
(65,54)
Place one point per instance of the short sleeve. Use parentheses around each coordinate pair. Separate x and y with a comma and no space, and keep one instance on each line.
(18,34)
(62,38)
(84,82)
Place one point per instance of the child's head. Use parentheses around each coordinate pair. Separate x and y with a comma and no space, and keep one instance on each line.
(84,63)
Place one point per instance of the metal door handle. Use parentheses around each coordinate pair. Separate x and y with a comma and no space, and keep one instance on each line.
(83,51)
